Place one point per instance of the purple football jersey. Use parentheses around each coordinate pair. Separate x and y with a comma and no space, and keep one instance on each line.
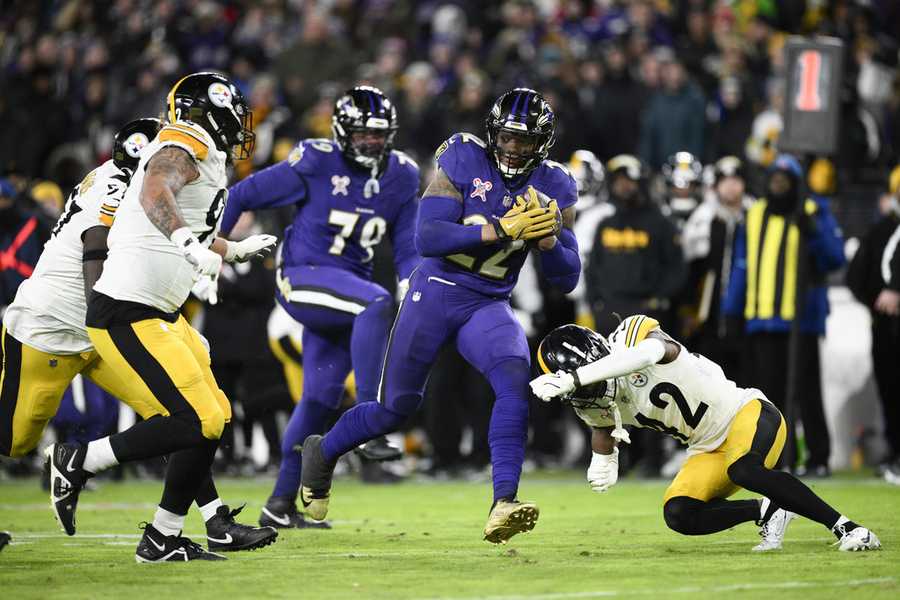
(491,269)
(337,223)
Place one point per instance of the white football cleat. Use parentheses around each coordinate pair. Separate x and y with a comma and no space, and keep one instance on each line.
(858,539)
(773,531)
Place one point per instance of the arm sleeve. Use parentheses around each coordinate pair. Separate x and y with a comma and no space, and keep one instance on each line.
(562,264)
(628,360)
(278,185)
(827,245)
(735,295)
(438,232)
(403,239)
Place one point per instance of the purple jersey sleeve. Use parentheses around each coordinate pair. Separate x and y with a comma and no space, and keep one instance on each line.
(282,184)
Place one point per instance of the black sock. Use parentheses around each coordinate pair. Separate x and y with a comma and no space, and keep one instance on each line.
(207,492)
(690,516)
(188,471)
(782,488)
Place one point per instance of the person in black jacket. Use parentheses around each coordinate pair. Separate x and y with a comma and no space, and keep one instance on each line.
(874,278)
(636,265)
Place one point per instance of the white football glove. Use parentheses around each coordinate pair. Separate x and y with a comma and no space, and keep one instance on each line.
(205,261)
(604,471)
(206,290)
(255,246)
(553,385)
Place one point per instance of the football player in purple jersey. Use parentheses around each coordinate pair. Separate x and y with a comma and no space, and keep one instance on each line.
(489,203)
(350,192)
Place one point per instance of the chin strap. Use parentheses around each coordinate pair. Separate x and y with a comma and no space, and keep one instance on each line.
(619,433)
(372,185)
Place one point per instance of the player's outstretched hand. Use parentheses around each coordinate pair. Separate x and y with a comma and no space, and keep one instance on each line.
(255,246)
(553,385)
(604,471)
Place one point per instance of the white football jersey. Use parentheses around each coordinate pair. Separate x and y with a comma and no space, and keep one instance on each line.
(49,310)
(689,398)
(143,265)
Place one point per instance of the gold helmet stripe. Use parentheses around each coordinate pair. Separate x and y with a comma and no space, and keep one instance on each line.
(170,99)
(540,358)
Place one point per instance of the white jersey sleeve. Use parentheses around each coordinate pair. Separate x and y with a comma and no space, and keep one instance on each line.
(689,398)
(143,266)
(49,309)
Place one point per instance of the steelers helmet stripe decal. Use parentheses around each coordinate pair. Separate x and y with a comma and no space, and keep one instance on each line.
(170,99)
(540,358)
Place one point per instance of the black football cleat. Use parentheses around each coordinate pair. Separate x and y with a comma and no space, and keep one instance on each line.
(282,513)
(155,547)
(224,534)
(378,450)
(315,481)
(4,539)
(67,478)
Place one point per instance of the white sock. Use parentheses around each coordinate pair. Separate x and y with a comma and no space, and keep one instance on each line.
(168,523)
(99,456)
(209,510)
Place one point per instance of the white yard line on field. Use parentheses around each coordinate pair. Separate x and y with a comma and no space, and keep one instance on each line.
(663,592)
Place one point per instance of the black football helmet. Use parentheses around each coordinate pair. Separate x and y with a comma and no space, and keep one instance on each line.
(525,113)
(569,347)
(131,139)
(590,176)
(364,109)
(682,170)
(213,102)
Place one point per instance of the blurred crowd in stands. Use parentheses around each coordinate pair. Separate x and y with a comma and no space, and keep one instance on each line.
(678,84)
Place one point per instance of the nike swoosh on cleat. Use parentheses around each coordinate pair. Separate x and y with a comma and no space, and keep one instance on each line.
(280,520)
(69,466)
(158,547)
(225,540)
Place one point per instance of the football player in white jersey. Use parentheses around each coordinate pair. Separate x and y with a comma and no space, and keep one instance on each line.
(45,340)
(734,436)
(162,240)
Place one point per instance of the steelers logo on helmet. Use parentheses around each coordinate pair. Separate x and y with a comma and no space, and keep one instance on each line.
(220,95)
(135,143)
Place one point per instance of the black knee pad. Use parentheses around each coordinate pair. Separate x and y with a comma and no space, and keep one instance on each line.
(680,514)
(745,470)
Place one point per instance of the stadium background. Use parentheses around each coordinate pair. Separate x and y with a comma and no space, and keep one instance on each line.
(73,71)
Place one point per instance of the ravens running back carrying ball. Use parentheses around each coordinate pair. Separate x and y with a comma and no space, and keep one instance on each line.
(734,436)
(476,222)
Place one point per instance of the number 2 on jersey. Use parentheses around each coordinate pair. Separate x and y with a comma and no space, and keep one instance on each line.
(492,266)
(369,237)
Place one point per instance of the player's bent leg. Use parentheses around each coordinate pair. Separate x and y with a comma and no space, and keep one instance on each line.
(752,470)
(32,385)
(416,337)
(690,516)
(495,344)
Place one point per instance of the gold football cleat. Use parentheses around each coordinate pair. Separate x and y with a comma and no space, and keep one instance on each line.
(509,518)
(315,505)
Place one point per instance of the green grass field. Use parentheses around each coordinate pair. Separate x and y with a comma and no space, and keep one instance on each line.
(423,540)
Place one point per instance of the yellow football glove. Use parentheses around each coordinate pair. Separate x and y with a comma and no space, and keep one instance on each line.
(518,222)
(529,199)
(546,226)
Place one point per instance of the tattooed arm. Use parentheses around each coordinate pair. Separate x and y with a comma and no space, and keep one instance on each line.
(168,171)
